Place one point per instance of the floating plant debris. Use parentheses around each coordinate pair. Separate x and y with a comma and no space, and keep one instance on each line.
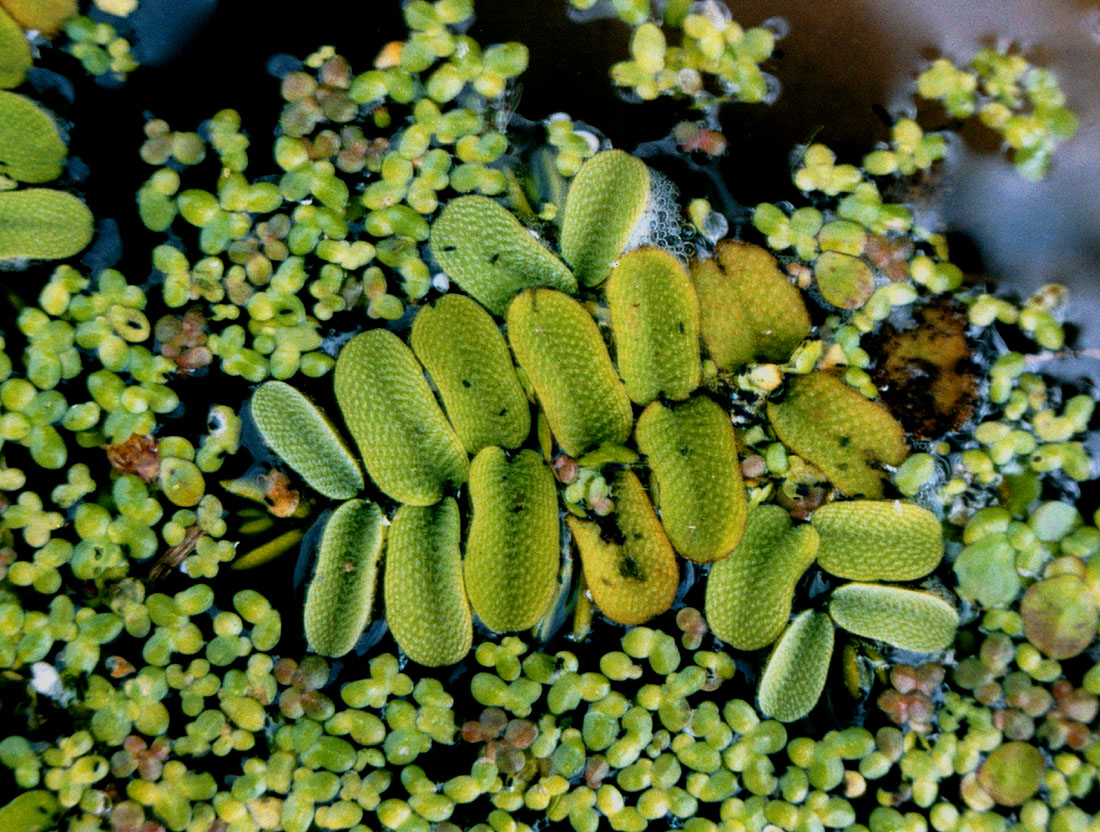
(927,373)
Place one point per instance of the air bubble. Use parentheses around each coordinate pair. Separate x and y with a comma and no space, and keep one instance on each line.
(590,138)
(440,282)
(773,88)
(778,26)
(661,224)
(717,13)
(715,226)
(689,81)
(1092,26)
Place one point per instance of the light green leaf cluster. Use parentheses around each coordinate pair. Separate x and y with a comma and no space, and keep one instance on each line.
(1024,103)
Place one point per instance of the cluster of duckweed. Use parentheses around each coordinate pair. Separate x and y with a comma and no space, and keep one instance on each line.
(1021,102)
(715,60)
(147,696)
(638,740)
(99,47)
(341,225)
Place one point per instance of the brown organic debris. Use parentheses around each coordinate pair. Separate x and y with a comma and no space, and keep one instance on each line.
(183,340)
(137,455)
(926,374)
(889,255)
(281,499)
(173,557)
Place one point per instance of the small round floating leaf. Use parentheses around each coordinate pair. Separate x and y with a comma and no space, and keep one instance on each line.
(426,604)
(1060,616)
(1012,773)
(878,540)
(31,149)
(306,440)
(409,449)
(513,549)
(488,253)
(561,351)
(844,281)
(986,572)
(181,481)
(468,359)
(42,224)
(1054,520)
(692,451)
(606,201)
(905,618)
(840,431)
(749,593)
(655,322)
(795,674)
(15,53)
(341,594)
(633,576)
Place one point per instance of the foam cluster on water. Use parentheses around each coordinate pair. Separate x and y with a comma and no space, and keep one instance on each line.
(661,223)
